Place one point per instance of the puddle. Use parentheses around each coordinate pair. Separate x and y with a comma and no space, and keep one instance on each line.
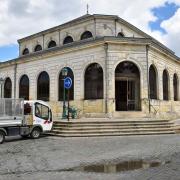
(120,167)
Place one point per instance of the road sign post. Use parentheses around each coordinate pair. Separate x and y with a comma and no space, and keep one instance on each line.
(67,85)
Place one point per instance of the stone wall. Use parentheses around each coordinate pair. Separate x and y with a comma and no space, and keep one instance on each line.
(79,59)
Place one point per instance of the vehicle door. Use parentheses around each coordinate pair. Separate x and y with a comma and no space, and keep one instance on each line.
(42,116)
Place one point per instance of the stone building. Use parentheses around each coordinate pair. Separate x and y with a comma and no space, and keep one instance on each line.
(117,69)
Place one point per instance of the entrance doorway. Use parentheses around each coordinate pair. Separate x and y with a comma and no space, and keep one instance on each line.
(127,87)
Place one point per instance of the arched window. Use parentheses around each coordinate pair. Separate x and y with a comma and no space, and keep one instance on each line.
(165,85)
(43,86)
(120,34)
(86,35)
(52,44)
(24,87)
(68,40)
(8,88)
(61,86)
(127,87)
(175,87)
(38,48)
(93,82)
(25,51)
(152,82)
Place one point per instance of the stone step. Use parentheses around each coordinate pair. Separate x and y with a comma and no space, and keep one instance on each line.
(110,121)
(109,130)
(112,124)
(110,127)
(112,134)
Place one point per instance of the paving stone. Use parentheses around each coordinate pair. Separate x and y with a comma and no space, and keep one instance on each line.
(50,157)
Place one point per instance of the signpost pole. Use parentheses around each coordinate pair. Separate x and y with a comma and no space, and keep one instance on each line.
(68,104)
(64,105)
(67,85)
(64,74)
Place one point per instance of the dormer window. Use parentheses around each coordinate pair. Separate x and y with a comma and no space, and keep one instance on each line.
(120,34)
(52,44)
(68,40)
(38,48)
(86,35)
(25,51)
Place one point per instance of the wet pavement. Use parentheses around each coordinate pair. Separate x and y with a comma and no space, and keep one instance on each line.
(138,157)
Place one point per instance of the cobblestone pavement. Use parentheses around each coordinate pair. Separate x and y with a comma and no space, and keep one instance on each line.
(49,157)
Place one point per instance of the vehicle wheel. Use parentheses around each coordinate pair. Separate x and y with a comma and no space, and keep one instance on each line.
(35,133)
(2,137)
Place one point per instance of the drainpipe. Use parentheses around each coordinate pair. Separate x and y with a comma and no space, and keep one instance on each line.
(115,22)
(15,73)
(148,85)
(95,27)
(106,77)
(43,42)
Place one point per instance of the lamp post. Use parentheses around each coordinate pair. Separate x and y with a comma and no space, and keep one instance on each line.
(1,83)
(64,74)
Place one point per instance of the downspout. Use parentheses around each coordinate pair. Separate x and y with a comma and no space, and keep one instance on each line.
(15,73)
(148,85)
(95,28)
(115,27)
(43,42)
(106,77)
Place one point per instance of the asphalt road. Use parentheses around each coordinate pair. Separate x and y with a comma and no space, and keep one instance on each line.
(52,158)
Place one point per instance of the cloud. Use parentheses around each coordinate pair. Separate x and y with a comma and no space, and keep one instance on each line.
(20,18)
(172,27)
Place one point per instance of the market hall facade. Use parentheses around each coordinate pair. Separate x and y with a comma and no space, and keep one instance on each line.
(116,70)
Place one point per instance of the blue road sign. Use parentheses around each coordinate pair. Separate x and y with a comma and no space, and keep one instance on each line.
(67,83)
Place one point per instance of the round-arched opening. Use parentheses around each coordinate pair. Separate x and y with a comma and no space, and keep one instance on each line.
(152,82)
(25,51)
(24,87)
(93,82)
(38,48)
(176,87)
(8,88)
(127,87)
(86,35)
(120,34)
(165,85)
(68,40)
(43,86)
(52,44)
(61,90)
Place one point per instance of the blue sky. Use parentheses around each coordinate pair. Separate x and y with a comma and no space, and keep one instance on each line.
(162,13)
(158,18)
(9,52)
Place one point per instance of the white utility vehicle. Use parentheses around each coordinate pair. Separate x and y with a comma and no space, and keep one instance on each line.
(25,118)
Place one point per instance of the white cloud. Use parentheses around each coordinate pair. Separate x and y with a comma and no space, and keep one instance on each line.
(172,27)
(19,18)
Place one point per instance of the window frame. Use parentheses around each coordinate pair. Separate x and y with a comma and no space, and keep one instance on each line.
(37,103)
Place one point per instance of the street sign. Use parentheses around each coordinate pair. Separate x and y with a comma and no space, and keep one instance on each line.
(67,83)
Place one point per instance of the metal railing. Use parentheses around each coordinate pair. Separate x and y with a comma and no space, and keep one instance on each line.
(148,103)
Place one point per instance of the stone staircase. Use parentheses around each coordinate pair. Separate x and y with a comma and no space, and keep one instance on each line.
(111,127)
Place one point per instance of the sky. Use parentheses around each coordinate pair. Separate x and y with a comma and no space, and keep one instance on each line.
(20,18)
